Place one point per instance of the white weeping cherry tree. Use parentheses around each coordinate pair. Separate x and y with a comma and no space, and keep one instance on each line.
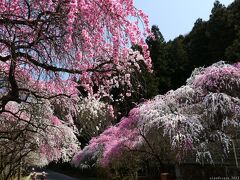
(200,119)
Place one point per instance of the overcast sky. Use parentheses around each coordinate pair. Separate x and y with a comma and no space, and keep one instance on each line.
(175,17)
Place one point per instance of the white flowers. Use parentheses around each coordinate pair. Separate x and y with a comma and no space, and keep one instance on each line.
(92,116)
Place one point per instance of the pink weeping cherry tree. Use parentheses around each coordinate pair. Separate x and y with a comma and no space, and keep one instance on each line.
(51,48)
(57,45)
(200,119)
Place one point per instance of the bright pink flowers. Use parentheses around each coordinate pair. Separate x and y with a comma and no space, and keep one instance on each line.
(58,43)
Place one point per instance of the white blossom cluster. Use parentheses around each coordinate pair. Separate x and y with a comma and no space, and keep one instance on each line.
(93,116)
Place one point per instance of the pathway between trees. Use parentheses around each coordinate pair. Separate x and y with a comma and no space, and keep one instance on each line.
(51,175)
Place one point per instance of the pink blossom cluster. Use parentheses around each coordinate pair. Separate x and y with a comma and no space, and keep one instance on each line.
(113,141)
(59,43)
(219,77)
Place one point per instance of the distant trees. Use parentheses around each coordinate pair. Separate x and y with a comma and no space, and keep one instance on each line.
(208,42)
(161,65)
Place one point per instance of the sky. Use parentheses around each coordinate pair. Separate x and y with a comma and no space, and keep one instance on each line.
(175,17)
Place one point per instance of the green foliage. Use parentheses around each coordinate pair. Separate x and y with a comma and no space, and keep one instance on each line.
(208,42)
